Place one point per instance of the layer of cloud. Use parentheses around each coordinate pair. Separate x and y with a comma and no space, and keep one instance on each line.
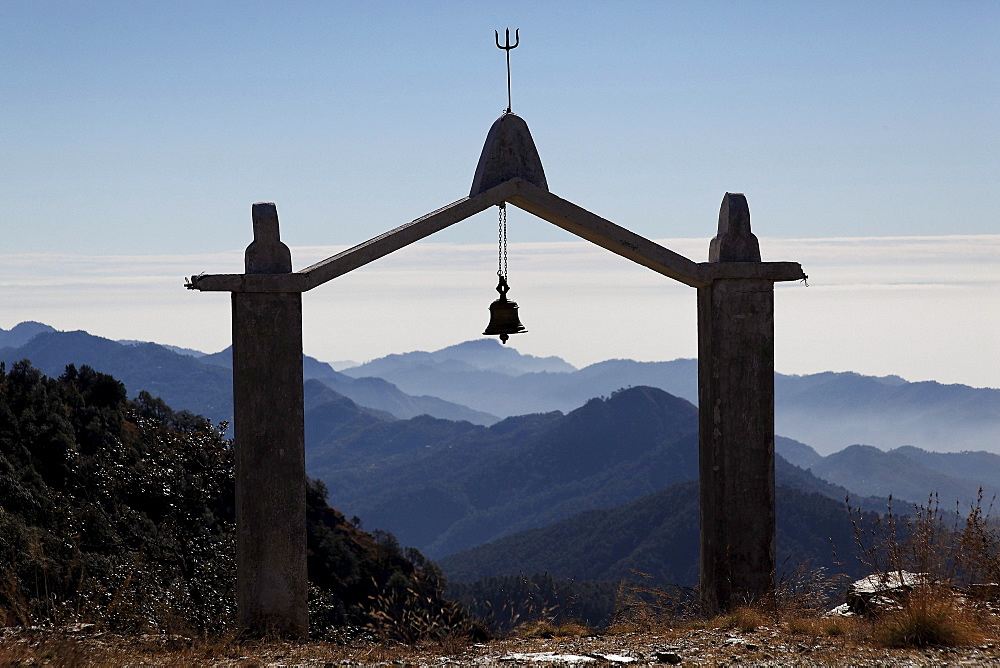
(920,307)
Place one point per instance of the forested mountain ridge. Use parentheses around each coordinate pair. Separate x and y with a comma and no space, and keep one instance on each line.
(911,474)
(657,535)
(342,434)
(180,380)
(461,484)
(21,333)
(122,511)
(444,486)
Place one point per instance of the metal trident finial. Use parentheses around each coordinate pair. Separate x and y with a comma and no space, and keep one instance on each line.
(507,48)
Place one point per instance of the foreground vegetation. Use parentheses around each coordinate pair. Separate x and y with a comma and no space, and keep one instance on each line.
(746,636)
(117,544)
(121,513)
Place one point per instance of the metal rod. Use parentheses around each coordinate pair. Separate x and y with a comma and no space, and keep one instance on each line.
(507,47)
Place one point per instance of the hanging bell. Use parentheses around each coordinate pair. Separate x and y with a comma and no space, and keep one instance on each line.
(503,315)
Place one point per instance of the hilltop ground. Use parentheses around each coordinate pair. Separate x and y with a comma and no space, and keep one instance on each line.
(767,644)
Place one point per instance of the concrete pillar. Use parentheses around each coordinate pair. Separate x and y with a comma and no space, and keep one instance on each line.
(736,423)
(272,581)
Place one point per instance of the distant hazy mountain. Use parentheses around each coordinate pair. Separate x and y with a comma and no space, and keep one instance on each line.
(832,410)
(191,352)
(656,534)
(20,334)
(455,372)
(796,453)
(372,392)
(982,467)
(911,475)
(829,411)
(446,486)
(177,379)
(482,354)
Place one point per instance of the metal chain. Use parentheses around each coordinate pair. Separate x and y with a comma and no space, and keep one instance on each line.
(502,260)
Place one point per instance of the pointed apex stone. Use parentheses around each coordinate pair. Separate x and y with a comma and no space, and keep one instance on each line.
(734,242)
(509,153)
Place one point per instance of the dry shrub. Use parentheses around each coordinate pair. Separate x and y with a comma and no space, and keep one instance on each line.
(980,541)
(944,555)
(806,592)
(399,614)
(807,626)
(642,606)
(933,615)
(928,542)
(837,627)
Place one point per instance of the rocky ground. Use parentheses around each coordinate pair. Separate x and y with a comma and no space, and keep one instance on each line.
(768,645)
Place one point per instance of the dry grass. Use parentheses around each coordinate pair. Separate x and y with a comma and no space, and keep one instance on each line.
(829,627)
(644,607)
(62,647)
(546,629)
(929,542)
(744,619)
(931,616)
(826,641)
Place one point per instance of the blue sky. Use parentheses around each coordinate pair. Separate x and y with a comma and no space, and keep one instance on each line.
(140,126)
(140,129)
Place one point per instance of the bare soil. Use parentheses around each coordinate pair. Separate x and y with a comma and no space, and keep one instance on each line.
(774,645)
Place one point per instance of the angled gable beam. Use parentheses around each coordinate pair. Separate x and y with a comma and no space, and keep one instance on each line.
(604,233)
(360,255)
(404,235)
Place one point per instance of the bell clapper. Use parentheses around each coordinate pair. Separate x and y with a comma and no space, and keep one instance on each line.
(503,289)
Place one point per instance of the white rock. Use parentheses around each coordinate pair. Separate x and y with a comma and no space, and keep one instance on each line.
(548,657)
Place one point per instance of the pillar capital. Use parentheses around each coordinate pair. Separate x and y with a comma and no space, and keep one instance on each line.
(734,241)
(266,254)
